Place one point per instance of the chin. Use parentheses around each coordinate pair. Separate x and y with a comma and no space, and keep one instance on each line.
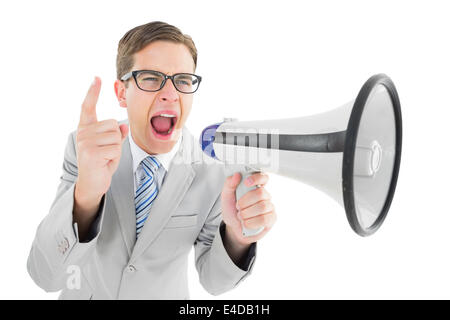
(157,145)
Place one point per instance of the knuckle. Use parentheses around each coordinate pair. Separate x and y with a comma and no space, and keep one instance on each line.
(259,178)
(262,206)
(259,192)
(244,213)
(114,123)
(111,137)
(263,219)
(266,206)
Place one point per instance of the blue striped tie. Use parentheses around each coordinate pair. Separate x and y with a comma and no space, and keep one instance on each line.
(146,191)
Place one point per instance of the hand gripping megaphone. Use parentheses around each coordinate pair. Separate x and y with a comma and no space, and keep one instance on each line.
(352,153)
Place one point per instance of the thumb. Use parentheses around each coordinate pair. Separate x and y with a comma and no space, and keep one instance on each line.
(229,191)
(124,131)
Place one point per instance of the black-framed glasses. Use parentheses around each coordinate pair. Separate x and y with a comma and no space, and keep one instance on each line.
(151,81)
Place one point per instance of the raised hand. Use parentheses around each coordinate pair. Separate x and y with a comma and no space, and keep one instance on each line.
(99,147)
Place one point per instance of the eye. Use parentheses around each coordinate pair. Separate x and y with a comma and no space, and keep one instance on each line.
(184,82)
(150,79)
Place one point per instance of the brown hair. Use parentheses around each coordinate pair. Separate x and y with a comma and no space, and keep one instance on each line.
(140,36)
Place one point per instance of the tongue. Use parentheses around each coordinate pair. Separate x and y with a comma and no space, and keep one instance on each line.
(161,124)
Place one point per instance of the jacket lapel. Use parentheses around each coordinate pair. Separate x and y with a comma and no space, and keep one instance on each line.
(176,182)
(122,191)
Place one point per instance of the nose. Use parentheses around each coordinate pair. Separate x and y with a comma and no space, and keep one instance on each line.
(168,93)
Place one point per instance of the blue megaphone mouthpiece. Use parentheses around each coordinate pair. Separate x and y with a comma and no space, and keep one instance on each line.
(207,138)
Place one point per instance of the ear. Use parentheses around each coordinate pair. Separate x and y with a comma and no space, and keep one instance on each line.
(120,90)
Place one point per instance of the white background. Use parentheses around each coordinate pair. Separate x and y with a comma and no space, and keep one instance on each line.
(317,55)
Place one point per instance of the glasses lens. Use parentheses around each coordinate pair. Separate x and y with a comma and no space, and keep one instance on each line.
(186,82)
(149,80)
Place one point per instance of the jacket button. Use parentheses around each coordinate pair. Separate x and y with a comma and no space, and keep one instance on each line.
(131,268)
(63,245)
(66,243)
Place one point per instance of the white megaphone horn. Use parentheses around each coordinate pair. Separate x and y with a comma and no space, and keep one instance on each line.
(352,153)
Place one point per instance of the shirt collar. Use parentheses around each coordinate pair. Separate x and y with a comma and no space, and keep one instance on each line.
(164,158)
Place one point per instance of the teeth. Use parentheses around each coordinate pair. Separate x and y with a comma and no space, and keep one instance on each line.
(167,115)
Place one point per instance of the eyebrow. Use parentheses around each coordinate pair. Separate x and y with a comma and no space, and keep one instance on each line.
(145,69)
(150,70)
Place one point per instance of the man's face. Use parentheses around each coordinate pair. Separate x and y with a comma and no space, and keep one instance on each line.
(144,107)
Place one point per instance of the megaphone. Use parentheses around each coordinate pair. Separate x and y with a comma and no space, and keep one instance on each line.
(352,153)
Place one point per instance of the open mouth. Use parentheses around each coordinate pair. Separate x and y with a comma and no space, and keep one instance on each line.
(163,125)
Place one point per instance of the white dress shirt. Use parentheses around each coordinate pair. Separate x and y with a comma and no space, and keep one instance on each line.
(165,159)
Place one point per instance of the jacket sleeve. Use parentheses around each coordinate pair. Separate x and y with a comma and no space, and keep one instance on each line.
(217,272)
(56,248)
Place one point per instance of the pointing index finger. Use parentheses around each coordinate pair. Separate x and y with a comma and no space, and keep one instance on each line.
(88,108)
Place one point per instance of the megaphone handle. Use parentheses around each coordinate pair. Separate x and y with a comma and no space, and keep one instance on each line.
(240,191)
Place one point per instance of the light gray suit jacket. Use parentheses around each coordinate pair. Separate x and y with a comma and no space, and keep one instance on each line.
(113,265)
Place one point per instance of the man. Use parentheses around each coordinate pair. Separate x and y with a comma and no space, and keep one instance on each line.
(135,196)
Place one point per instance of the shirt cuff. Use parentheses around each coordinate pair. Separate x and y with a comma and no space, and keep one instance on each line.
(94,228)
(244,262)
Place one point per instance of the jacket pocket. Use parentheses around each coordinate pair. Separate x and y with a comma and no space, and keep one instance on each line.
(182,221)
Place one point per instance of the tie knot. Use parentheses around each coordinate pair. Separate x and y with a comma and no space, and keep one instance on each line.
(150,163)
